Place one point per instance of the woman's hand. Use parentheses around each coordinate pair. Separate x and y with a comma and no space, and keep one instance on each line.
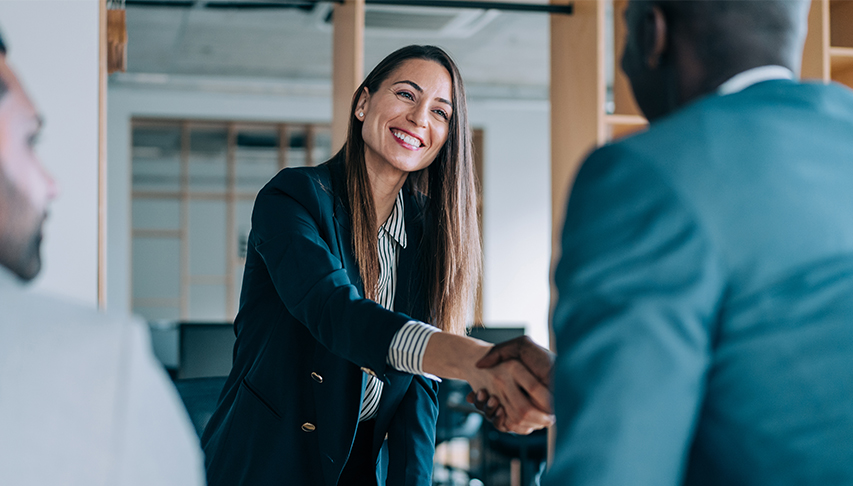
(525,400)
(487,404)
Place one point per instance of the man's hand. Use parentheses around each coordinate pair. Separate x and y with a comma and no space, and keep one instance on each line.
(536,358)
(513,397)
(524,399)
(538,361)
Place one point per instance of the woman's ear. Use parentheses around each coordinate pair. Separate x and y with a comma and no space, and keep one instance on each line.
(363,102)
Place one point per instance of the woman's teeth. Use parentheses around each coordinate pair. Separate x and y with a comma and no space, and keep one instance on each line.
(407,139)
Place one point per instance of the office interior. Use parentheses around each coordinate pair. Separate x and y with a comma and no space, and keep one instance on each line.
(158,165)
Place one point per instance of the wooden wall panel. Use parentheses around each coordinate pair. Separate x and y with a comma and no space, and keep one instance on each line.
(577,110)
(816,51)
(623,96)
(577,98)
(347,64)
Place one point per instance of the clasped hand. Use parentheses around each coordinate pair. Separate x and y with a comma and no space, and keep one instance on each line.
(513,389)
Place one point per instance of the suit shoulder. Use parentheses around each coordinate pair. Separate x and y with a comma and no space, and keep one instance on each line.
(60,341)
(311,187)
(296,180)
(622,154)
(43,315)
(677,145)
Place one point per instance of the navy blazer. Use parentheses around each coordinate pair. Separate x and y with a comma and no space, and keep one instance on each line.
(704,324)
(289,410)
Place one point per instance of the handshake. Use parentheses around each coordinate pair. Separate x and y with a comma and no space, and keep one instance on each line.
(520,398)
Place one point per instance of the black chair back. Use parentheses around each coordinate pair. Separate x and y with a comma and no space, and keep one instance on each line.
(456,417)
(200,396)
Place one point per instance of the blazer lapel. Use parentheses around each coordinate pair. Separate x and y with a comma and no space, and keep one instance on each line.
(409,300)
(343,231)
(408,297)
(344,240)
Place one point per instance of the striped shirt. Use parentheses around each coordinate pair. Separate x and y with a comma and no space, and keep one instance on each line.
(409,343)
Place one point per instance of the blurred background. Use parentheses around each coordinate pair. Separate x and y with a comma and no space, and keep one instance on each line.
(246,87)
(246,90)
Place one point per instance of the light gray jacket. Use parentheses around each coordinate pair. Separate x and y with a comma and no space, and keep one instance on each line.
(82,400)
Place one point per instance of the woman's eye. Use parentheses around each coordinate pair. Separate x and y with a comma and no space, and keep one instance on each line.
(406,94)
(441,113)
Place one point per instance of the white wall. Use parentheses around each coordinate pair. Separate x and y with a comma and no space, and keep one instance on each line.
(516,186)
(516,213)
(53,47)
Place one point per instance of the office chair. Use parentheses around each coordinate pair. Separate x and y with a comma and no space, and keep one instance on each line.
(200,396)
(456,419)
(531,451)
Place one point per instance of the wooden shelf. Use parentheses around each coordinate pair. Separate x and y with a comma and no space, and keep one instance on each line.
(841,58)
(621,125)
(626,120)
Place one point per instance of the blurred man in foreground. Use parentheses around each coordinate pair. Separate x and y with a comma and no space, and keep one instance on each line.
(704,326)
(82,401)
(705,318)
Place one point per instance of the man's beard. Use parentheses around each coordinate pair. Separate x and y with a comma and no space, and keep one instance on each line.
(30,263)
(20,232)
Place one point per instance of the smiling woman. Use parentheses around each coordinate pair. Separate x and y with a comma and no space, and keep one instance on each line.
(404,120)
(333,377)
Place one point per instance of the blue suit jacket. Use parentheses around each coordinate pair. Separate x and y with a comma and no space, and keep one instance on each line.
(704,326)
(304,335)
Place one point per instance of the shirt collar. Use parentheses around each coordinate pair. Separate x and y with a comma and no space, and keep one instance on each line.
(752,76)
(9,279)
(395,225)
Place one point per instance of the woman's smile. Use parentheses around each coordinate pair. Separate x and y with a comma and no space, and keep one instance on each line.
(406,139)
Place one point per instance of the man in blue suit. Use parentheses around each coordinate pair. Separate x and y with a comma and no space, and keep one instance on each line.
(704,326)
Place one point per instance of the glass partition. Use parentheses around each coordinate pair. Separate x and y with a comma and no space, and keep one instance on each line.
(194,185)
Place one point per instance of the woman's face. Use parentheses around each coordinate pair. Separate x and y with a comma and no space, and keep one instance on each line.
(407,119)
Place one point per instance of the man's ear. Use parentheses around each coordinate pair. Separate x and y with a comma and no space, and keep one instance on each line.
(654,36)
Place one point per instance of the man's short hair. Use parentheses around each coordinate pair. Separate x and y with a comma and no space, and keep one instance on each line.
(721,28)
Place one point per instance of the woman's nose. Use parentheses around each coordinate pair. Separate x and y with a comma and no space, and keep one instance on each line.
(418,115)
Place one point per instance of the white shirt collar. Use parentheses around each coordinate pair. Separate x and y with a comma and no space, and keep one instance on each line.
(395,225)
(752,76)
(9,279)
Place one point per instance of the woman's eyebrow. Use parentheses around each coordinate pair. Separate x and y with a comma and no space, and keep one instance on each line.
(421,90)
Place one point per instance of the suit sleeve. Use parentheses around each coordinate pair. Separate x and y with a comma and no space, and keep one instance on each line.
(638,283)
(411,435)
(310,280)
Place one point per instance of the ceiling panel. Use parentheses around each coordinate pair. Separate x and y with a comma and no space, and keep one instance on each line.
(511,50)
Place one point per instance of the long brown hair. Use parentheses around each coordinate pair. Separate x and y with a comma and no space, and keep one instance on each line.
(450,252)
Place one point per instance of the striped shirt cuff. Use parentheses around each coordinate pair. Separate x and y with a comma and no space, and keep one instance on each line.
(407,349)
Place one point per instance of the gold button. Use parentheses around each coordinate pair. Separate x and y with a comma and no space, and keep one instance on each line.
(386,435)
(317,378)
(308,427)
(368,371)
